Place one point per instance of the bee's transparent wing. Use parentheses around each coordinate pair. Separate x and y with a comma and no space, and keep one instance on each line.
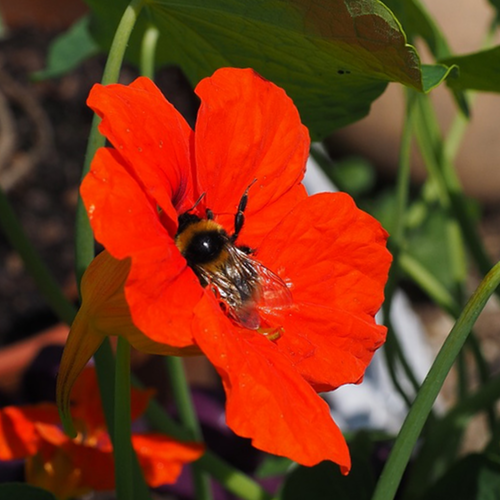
(272,293)
(244,287)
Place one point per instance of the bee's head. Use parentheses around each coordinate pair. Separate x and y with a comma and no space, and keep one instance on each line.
(185,220)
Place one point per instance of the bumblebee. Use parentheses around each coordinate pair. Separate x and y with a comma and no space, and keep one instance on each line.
(240,283)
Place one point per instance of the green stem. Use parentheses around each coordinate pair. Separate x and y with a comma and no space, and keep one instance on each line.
(461,228)
(232,479)
(415,420)
(187,413)
(449,187)
(428,282)
(122,444)
(403,179)
(105,369)
(84,237)
(34,264)
(392,350)
(148,51)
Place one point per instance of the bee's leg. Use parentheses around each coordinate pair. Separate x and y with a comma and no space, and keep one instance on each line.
(210,214)
(247,250)
(239,218)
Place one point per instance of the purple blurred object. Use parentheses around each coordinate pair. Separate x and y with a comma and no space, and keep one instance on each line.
(12,471)
(220,439)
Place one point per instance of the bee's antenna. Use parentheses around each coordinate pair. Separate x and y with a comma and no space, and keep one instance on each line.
(197,202)
(239,218)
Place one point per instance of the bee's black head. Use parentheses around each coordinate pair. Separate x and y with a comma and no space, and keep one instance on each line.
(185,220)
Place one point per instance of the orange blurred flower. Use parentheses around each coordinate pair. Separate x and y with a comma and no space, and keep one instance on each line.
(213,244)
(71,467)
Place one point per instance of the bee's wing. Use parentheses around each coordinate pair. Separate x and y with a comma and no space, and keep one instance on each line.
(272,292)
(244,286)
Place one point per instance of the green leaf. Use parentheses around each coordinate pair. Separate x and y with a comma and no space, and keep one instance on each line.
(21,491)
(274,466)
(333,57)
(426,222)
(496,5)
(477,71)
(324,482)
(443,439)
(489,483)
(473,477)
(434,74)
(417,22)
(68,51)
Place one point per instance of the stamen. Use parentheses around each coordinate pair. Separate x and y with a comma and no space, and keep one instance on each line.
(272,333)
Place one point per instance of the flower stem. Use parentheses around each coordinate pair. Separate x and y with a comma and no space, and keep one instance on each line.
(84,236)
(415,420)
(392,349)
(148,51)
(85,253)
(187,413)
(34,264)
(449,187)
(106,367)
(122,444)
(232,479)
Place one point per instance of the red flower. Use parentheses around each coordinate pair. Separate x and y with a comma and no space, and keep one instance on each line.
(224,251)
(71,467)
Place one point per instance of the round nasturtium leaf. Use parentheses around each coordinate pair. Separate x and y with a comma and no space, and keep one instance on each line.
(333,57)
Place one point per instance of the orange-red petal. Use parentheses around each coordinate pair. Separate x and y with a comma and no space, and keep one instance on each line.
(160,290)
(91,458)
(18,433)
(150,134)
(335,257)
(95,463)
(247,128)
(124,219)
(162,458)
(267,399)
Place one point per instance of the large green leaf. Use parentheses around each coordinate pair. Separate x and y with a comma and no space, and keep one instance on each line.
(417,22)
(333,57)
(20,491)
(477,71)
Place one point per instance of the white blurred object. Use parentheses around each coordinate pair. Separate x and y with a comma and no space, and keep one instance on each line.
(316,181)
(376,404)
